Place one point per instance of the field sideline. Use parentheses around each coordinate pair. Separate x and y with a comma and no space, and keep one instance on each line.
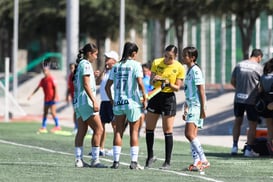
(27,156)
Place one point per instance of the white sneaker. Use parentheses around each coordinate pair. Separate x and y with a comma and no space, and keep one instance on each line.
(97,164)
(234,150)
(109,153)
(251,153)
(78,163)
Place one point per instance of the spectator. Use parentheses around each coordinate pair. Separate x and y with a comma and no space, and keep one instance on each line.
(245,78)
(167,73)
(49,86)
(194,109)
(106,110)
(127,79)
(86,106)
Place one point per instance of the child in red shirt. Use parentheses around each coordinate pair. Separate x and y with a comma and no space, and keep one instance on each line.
(50,98)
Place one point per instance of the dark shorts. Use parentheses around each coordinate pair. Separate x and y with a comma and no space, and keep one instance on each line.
(50,103)
(251,113)
(106,112)
(163,103)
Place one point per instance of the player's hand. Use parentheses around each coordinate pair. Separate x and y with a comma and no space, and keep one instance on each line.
(96,107)
(97,73)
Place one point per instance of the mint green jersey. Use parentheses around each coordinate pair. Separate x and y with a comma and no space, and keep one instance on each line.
(193,78)
(124,76)
(80,96)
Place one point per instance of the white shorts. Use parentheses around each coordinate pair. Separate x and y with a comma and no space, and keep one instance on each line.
(193,116)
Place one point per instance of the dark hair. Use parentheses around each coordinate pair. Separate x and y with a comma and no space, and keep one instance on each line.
(268,66)
(190,51)
(90,47)
(128,50)
(256,53)
(171,48)
(146,65)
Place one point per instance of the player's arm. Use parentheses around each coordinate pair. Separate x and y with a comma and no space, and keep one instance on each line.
(176,86)
(87,88)
(108,90)
(233,78)
(142,89)
(55,92)
(233,82)
(202,97)
(98,75)
(35,90)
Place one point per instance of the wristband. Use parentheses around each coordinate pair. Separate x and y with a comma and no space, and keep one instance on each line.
(167,85)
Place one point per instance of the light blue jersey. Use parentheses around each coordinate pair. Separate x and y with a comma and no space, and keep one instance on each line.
(80,96)
(193,78)
(126,91)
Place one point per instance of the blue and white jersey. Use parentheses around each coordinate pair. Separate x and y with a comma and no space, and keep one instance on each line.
(126,91)
(80,96)
(193,78)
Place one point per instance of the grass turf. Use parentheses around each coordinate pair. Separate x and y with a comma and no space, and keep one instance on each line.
(28,156)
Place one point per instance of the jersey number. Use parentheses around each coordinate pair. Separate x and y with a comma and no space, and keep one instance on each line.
(121,84)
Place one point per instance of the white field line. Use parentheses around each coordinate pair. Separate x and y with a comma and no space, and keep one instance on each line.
(123,163)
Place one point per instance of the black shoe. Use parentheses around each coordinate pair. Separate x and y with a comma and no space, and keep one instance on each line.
(149,162)
(135,165)
(165,166)
(115,165)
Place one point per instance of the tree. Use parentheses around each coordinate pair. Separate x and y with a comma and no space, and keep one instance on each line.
(178,11)
(247,12)
(43,22)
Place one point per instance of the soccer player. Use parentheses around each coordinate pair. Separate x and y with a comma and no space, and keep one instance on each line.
(194,109)
(126,76)
(86,105)
(106,110)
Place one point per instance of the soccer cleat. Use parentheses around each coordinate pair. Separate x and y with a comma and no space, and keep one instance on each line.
(56,128)
(135,165)
(80,163)
(234,150)
(109,153)
(165,166)
(149,162)
(205,164)
(97,164)
(115,165)
(196,168)
(102,153)
(42,130)
(251,153)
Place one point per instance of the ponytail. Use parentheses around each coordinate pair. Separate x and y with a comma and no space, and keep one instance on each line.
(90,47)
(128,50)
